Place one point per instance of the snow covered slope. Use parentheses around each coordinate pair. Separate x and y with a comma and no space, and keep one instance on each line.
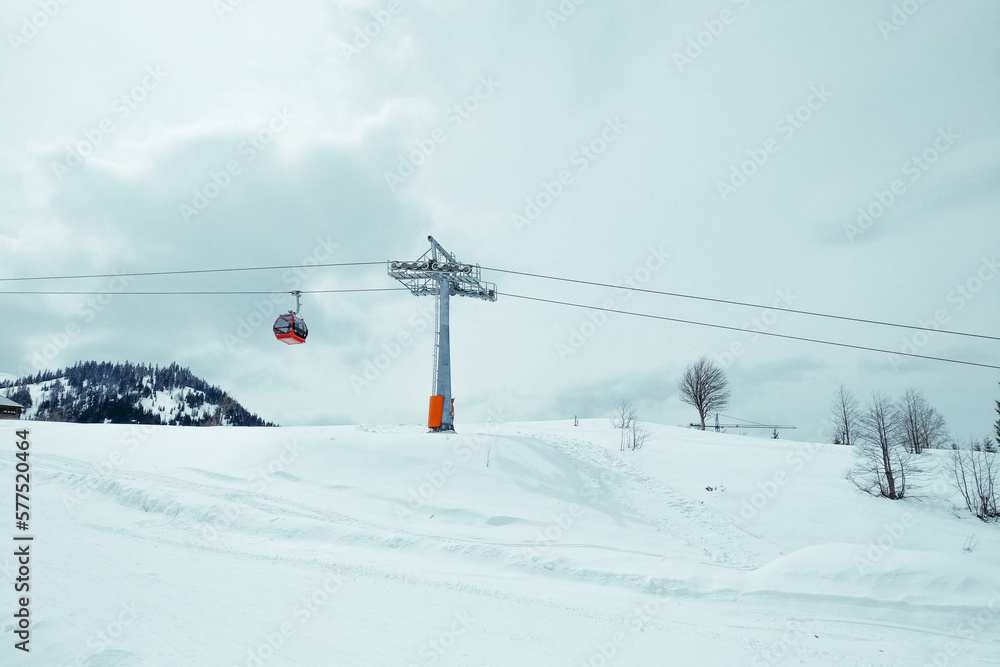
(102,392)
(510,544)
(170,405)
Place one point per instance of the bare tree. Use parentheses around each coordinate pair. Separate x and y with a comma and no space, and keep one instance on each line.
(882,466)
(633,433)
(845,416)
(975,473)
(704,386)
(623,418)
(934,430)
(624,414)
(636,435)
(997,425)
(922,426)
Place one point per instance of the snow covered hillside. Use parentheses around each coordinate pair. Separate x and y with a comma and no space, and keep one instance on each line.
(510,544)
(92,392)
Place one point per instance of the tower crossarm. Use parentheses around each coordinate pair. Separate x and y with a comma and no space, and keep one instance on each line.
(423,277)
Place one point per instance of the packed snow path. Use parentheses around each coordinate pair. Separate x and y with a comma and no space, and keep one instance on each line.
(510,544)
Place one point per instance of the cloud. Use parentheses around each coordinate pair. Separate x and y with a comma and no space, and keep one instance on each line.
(261,141)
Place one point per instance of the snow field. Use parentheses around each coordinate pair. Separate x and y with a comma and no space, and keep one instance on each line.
(506,544)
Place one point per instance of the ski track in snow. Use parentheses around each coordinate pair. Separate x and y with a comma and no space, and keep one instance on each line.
(678,517)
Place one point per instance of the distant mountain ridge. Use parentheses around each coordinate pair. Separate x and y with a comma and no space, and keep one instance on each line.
(101,392)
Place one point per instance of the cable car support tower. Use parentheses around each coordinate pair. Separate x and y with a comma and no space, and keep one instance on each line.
(438,273)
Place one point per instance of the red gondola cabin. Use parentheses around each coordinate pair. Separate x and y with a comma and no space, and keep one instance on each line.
(290,329)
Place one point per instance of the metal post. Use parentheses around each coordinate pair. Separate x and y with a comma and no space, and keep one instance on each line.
(438,273)
(443,371)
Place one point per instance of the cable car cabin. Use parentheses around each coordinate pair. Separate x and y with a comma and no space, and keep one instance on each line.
(290,329)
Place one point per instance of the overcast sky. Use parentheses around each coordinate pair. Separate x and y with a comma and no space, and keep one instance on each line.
(725,149)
